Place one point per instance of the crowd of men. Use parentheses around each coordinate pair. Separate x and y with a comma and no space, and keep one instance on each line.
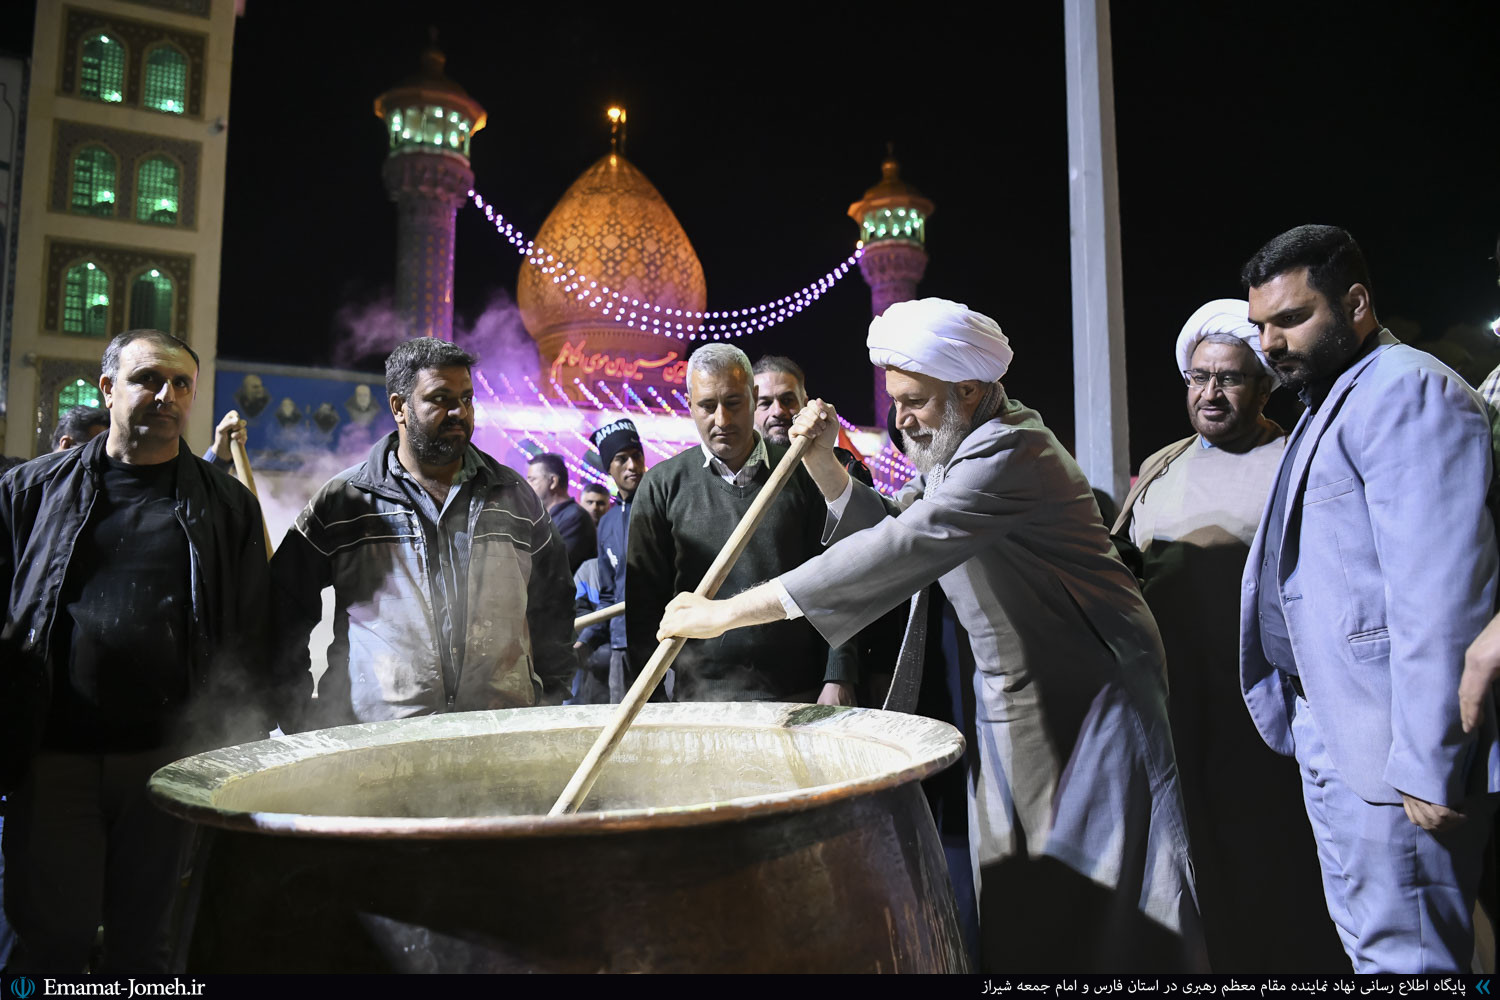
(1259,700)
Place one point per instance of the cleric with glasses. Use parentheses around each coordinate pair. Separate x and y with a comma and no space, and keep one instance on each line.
(1192,515)
(1227,378)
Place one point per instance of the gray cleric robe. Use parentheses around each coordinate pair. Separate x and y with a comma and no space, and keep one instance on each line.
(1081,855)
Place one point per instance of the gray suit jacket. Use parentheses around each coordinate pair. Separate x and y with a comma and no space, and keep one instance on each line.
(1387,573)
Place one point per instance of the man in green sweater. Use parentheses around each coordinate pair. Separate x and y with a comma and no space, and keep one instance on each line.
(683,514)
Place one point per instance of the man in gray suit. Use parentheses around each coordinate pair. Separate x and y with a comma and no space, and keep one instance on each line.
(1076,824)
(1373,568)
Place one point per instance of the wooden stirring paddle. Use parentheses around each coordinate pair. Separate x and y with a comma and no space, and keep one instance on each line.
(656,668)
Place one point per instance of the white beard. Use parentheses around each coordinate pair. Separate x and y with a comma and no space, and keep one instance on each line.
(929,449)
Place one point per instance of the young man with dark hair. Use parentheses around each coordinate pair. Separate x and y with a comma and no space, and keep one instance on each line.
(451,586)
(595,501)
(1373,568)
(79,426)
(548,476)
(780,394)
(134,635)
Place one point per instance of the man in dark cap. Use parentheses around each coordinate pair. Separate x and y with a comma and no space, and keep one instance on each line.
(619,449)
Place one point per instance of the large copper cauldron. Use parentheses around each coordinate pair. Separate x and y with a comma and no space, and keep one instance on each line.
(722,838)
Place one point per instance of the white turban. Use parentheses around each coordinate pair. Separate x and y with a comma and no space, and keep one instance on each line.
(1231,316)
(943,339)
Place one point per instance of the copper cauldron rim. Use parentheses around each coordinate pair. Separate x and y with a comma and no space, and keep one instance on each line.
(187,787)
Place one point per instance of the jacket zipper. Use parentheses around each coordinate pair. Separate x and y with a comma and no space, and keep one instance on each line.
(195,578)
(427,566)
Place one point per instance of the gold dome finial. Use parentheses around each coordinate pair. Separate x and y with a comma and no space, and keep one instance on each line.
(890,170)
(616,116)
(433,60)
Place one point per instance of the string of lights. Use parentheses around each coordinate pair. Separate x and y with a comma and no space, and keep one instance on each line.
(527,444)
(684,324)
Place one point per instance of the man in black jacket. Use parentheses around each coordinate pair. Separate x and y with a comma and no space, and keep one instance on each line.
(133,635)
(548,476)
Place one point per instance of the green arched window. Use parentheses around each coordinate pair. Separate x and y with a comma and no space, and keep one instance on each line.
(77,393)
(101,71)
(157,189)
(86,300)
(94,181)
(166,80)
(151,301)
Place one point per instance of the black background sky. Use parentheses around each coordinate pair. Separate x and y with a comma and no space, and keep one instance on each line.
(760,125)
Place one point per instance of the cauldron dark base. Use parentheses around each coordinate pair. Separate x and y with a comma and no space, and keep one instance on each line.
(731,838)
(856,886)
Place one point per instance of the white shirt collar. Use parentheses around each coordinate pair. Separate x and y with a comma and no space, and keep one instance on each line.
(747,471)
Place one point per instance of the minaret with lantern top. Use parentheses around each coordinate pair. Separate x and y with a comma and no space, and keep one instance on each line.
(892,219)
(429,120)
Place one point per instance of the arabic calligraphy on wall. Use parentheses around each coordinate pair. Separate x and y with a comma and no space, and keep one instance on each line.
(575,357)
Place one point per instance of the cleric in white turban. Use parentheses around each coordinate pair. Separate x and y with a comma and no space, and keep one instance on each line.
(1074,802)
(936,337)
(1192,514)
(1219,320)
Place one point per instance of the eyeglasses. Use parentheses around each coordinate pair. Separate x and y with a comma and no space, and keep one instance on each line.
(1227,379)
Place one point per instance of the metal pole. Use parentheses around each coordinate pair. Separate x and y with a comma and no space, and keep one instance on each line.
(1101,438)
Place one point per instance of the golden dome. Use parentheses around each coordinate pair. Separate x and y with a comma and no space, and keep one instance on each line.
(614,228)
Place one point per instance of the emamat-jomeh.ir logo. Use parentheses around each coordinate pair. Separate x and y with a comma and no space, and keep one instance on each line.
(24,988)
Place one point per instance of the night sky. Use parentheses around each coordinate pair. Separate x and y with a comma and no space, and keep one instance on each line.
(760,128)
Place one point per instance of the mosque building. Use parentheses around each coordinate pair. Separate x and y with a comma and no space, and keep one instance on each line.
(128,135)
(610,289)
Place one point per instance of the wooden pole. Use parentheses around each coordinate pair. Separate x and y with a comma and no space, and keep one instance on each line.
(656,668)
(595,617)
(242,469)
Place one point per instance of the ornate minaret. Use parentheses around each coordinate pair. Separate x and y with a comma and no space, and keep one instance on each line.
(892,220)
(430,120)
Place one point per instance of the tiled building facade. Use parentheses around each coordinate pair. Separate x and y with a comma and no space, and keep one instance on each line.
(121,198)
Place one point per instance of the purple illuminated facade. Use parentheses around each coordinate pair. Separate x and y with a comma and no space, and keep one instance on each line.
(430,120)
(892,220)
